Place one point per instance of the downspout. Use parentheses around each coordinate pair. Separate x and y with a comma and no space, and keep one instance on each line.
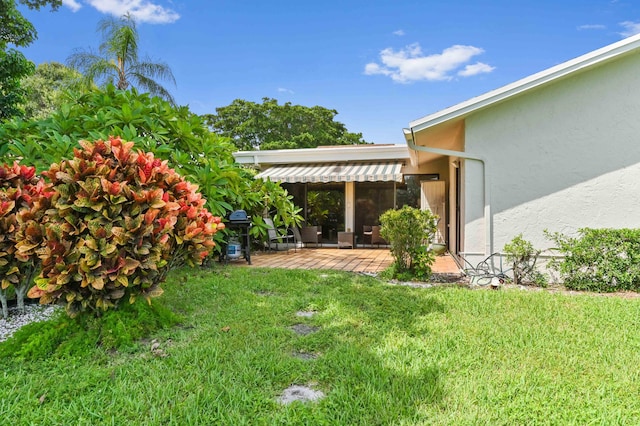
(488,220)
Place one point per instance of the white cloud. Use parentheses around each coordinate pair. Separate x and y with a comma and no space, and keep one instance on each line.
(285,90)
(409,64)
(373,68)
(475,69)
(630,28)
(72,4)
(592,27)
(141,10)
(399,33)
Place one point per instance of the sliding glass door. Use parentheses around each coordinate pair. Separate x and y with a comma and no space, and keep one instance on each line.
(325,208)
(372,199)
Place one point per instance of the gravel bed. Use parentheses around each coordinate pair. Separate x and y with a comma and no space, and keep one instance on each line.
(33,313)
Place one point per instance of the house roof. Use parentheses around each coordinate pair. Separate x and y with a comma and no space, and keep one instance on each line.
(524,85)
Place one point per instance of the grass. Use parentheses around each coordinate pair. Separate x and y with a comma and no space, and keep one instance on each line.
(387,355)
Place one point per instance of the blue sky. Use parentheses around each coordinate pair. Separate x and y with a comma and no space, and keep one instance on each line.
(380,64)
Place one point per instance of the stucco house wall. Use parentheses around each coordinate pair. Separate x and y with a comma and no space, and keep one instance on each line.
(560,157)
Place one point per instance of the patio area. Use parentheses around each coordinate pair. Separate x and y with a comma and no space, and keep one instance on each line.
(352,260)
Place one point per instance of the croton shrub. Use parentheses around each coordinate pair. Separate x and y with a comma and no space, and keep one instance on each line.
(119,220)
(20,191)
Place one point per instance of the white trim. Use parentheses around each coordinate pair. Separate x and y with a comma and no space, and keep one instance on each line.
(536,80)
(324,155)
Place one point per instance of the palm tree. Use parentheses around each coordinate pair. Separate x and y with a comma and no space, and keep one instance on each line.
(118,61)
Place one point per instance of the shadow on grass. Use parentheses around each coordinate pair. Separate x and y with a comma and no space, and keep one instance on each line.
(373,367)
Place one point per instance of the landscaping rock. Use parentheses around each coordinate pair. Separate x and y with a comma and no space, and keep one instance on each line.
(306,356)
(299,393)
(306,314)
(16,319)
(303,329)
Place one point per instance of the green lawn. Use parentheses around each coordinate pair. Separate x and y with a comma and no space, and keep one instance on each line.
(387,355)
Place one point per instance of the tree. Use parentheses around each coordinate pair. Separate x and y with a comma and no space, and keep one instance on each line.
(117,61)
(45,89)
(16,30)
(273,126)
(170,133)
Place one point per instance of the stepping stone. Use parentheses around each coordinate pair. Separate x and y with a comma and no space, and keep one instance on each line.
(299,393)
(303,329)
(306,356)
(306,314)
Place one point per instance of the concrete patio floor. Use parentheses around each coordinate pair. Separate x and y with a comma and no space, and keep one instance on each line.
(353,260)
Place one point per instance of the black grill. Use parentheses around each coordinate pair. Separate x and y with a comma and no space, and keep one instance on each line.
(240,223)
(238,216)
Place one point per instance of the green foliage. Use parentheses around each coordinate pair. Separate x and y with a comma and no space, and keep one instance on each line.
(15,28)
(17,31)
(154,125)
(37,4)
(320,203)
(410,231)
(604,260)
(271,126)
(271,200)
(46,89)
(523,257)
(118,62)
(13,67)
(20,192)
(118,221)
(63,336)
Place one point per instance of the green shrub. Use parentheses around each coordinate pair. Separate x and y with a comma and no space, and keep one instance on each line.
(523,257)
(117,223)
(154,125)
(599,259)
(62,336)
(409,232)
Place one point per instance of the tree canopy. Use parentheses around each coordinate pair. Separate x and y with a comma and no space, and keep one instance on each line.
(118,61)
(272,126)
(45,89)
(16,30)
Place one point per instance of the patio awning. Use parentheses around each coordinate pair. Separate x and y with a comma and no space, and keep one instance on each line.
(334,172)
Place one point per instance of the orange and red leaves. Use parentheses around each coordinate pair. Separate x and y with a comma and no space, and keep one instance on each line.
(118,219)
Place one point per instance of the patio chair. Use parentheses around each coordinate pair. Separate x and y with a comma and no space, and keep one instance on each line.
(366,235)
(277,241)
(376,238)
(312,234)
(345,240)
(297,238)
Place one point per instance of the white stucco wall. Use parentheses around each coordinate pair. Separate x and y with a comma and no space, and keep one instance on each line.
(561,158)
